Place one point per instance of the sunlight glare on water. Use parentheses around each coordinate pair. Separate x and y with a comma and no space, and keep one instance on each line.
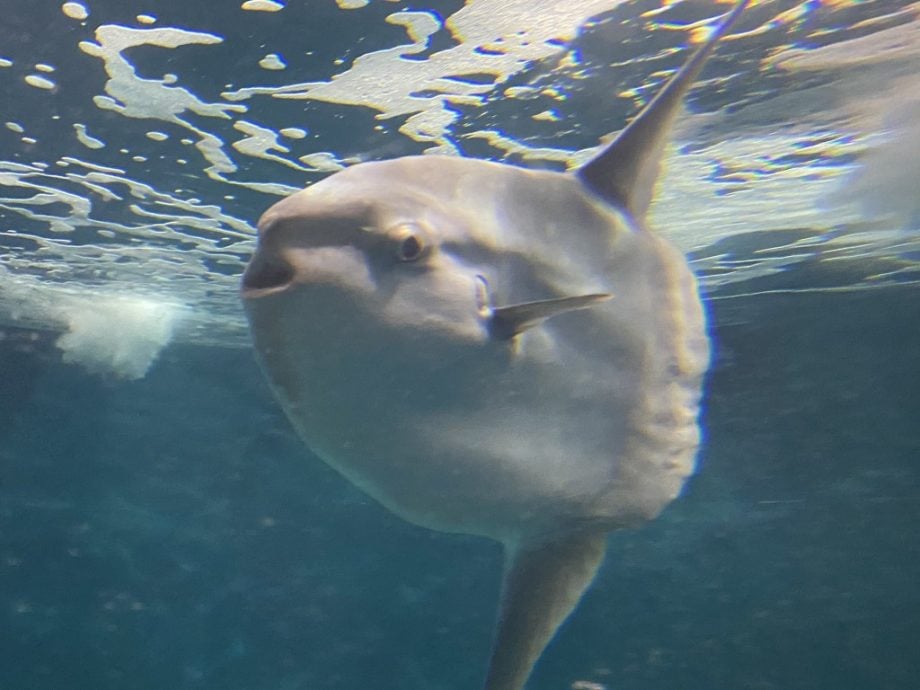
(138,149)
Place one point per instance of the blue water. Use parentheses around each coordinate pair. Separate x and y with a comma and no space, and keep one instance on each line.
(172,532)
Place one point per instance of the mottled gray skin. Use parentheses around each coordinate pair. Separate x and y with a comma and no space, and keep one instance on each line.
(373,300)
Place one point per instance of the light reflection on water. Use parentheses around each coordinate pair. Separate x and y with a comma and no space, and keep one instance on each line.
(138,151)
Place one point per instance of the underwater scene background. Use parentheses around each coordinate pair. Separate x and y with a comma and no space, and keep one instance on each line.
(162,527)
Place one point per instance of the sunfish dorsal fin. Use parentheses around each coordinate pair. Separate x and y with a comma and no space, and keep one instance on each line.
(625,172)
(506,322)
(542,584)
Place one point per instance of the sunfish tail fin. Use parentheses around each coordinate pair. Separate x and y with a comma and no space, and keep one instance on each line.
(543,583)
(625,172)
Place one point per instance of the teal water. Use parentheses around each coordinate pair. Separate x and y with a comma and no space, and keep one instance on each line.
(161,526)
(173,533)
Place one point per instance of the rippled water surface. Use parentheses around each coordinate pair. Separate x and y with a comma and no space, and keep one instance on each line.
(141,141)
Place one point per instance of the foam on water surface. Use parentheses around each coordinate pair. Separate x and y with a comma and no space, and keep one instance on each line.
(116,335)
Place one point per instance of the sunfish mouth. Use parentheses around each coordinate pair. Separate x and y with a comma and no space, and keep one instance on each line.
(266,276)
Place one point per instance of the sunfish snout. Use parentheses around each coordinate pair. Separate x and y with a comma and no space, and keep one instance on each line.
(302,241)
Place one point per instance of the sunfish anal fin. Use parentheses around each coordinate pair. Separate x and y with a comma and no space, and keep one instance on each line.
(504,323)
(542,584)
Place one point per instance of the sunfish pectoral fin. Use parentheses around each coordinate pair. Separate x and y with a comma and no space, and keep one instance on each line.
(542,585)
(506,322)
(625,172)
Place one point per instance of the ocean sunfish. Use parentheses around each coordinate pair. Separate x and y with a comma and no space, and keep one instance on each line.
(495,351)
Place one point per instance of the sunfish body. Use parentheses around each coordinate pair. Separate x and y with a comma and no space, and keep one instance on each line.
(495,351)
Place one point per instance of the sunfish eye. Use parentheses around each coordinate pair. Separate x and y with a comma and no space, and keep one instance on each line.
(410,243)
(410,248)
